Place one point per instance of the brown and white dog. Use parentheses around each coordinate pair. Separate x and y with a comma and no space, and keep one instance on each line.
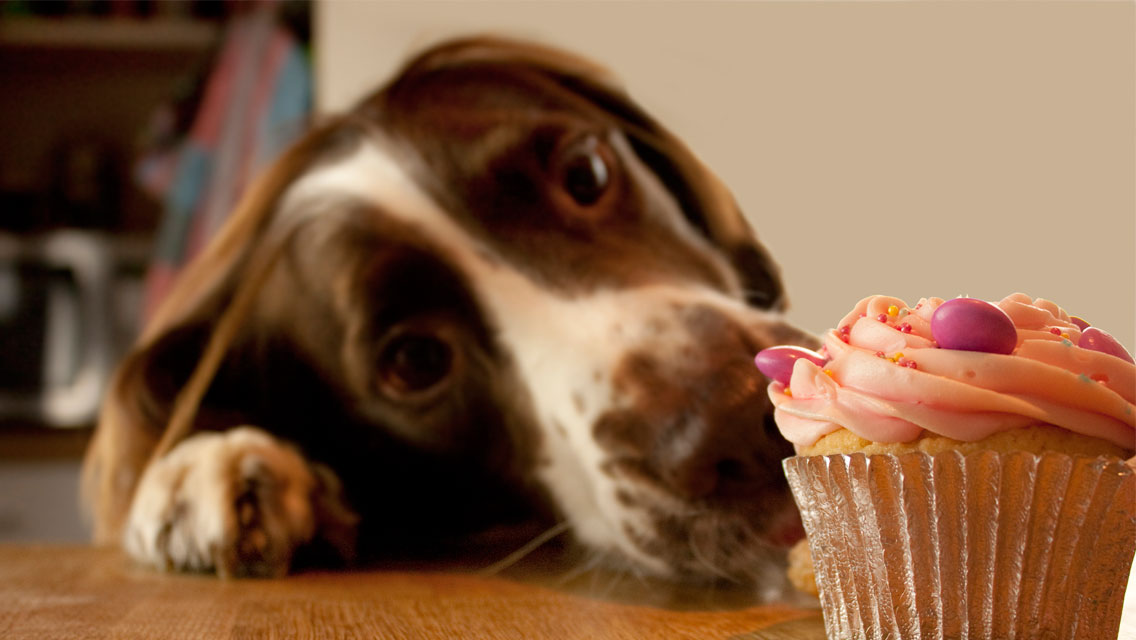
(495,288)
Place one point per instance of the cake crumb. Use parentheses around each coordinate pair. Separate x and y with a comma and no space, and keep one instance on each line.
(801,573)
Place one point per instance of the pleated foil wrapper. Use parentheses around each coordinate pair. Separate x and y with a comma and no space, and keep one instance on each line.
(987,545)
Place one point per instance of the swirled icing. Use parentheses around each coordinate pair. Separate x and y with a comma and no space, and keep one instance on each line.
(868,389)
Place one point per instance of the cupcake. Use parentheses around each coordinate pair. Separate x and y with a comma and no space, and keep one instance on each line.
(960,469)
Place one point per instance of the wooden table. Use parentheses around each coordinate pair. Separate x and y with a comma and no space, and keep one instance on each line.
(82,592)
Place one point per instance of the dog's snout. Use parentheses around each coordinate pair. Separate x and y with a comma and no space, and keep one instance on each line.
(720,446)
(709,473)
(699,428)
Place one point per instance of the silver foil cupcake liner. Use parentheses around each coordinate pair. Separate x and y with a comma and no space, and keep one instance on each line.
(986,545)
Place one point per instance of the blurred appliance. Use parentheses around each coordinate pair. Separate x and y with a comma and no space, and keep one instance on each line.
(68,306)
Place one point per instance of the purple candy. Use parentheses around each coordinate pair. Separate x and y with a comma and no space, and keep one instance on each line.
(970,324)
(776,363)
(1080,322)
(1095,339)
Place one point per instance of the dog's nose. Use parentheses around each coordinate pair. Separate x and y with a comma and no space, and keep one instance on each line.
(697,420)
(724,443)
(701,431)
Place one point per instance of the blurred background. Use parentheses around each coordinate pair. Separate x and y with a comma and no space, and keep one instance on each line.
(127,130)
(914,149)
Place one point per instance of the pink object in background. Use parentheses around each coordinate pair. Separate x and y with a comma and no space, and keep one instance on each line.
(256,101)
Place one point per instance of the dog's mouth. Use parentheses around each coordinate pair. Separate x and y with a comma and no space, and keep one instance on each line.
(787,529)
(738,530)
(741,544)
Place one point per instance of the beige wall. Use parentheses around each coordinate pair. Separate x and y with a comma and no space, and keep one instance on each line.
(913,149)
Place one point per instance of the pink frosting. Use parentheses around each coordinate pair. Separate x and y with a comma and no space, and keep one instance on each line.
(884,397)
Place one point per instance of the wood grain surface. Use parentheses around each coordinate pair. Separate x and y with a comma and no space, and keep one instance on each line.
(81,592)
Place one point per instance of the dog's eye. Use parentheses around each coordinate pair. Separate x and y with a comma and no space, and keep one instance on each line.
(583,171)
(413,362)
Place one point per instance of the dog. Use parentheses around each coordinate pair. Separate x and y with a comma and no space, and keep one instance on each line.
(495,290)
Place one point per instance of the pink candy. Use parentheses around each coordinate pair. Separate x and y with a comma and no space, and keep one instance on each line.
(1095,339)
(776,363)
(970,324)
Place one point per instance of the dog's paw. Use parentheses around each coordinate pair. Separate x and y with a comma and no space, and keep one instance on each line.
(239,503)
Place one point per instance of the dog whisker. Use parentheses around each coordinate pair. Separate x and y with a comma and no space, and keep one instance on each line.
(589,563)
(696,543)
(606,572)
(614,580)
(526,549)
(601,573)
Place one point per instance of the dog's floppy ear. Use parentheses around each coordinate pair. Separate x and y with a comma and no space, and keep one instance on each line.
(155,397)
(705,201)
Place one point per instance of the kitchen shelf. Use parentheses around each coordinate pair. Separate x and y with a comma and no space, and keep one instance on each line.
(151,34)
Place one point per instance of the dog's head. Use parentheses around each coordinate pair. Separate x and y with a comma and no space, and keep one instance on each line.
(497,271)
